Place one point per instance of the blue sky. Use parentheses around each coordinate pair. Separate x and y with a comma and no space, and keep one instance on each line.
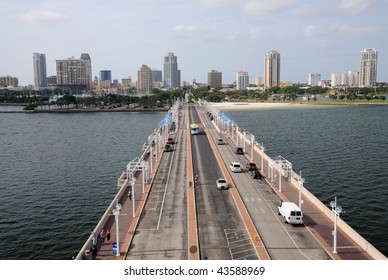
(316,36)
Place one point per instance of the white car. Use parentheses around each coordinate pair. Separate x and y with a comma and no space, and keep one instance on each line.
(221,141)
(222,184)
(235,167)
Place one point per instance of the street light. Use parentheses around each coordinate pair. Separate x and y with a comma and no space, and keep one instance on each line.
(336,210)
(262,156)
(116,213)
(300,181)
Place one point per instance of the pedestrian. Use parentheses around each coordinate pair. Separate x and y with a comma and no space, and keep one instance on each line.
(94,251)
(130,195)
(94,237)
(102,236)
(107,234)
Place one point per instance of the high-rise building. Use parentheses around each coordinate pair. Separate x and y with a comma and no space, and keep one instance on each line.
(88,65)
(242,80)
(368,68)
(344,79)
(126,83)
(272,69)
(172,75)
(40,72)
(8,81)
(314,79)
(144,79)
(71,72)
(214,79)
(105,78)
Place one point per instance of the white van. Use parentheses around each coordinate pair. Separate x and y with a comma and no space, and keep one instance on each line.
(291,213)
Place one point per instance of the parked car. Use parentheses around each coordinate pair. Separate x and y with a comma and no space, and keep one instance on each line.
(222,184)
(251,166)
(170,141)
(256,174)
(239,151)
(168,148)
(235,167)
(221,141)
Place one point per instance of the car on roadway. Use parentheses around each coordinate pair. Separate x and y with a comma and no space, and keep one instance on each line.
(235,167)
(222,184)
(221,141)
(251,166)
(255,174)
(168,148)
(239,151)
(170,141)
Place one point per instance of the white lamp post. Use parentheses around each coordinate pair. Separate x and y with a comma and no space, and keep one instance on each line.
(300,181)
(336,210)
(116,213)
(133,181)
(262,156)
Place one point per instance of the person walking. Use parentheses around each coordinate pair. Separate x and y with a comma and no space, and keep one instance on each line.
(130,195)
(102,236)
(107,234)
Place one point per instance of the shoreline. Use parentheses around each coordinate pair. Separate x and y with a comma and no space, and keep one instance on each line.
(283,105)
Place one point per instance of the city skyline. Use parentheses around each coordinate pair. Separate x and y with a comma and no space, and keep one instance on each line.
(312,36)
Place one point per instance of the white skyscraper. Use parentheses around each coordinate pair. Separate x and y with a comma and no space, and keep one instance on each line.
(272,69)
(368,68)
(40,72)
(314,79)
(172,77)
(242,80)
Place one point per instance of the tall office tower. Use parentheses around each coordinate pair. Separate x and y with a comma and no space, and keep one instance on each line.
(88,65)
(171,73)
(272,69)
(242,80)
(144,79)
(40,72)
(105,78)
(368,68)
(314,79)
(71,72)
(214,79)
(126,83)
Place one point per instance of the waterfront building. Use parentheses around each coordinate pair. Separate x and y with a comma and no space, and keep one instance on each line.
(40,71)
(271,69)
(259,81)
(368,68)
(349,79)
(172,75)
(126,83)
(144,79)
(88,69)
(71,73)
(8,81)
(157,75)
(214,79)
(314,79)
(105,78)
(242,80)
(52,81)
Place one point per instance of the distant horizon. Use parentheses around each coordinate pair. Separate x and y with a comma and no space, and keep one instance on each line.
(311,36)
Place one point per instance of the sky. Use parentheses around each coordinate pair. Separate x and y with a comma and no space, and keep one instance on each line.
(312,36)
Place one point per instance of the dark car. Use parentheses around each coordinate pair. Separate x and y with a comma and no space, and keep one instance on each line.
(256,174)
(239,151)
(170,141)
(251,166)
(168,148)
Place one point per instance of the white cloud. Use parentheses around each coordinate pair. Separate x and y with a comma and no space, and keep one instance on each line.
(312,30)
(220,3)
(348,29)
(257,7)
(36,16)
(186,28)
(358,6)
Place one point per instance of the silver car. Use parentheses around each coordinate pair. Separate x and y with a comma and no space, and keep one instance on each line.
(222,184)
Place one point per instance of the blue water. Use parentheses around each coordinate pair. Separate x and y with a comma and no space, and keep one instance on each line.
(59,171)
